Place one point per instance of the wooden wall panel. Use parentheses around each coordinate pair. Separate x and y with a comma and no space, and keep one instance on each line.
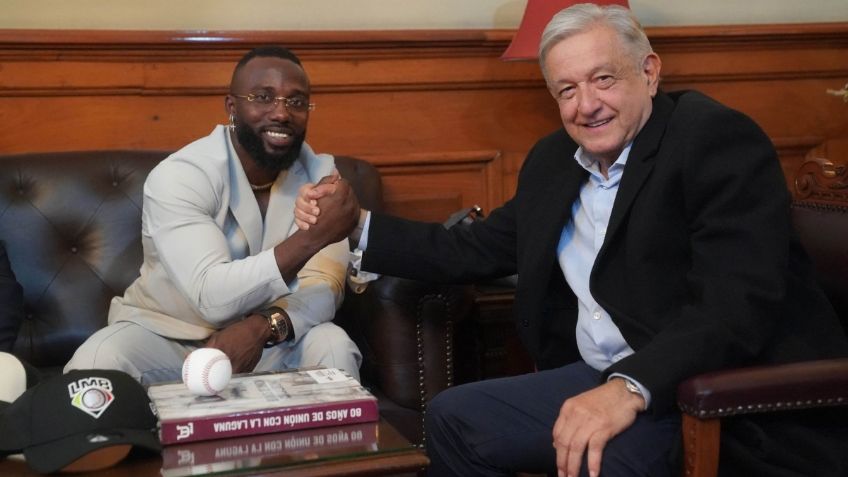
(444,119)
(428,186)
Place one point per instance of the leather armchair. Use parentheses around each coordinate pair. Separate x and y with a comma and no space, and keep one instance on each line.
(71,224)
(820,216)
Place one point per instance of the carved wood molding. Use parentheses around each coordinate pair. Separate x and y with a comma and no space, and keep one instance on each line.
(820,178)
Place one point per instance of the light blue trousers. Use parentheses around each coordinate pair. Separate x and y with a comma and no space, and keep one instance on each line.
(151,358)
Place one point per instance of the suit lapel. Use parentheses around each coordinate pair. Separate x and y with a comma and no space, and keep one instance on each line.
(562,190)
(243,204)
(545,204)
(281,205)
(545,213)
(639,164)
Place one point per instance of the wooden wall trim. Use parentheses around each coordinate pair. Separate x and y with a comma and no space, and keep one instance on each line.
(316,39)
(682,37)
(443,57)
(434,49)
(437,110)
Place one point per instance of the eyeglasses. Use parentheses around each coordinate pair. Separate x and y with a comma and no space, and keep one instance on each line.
(267,102)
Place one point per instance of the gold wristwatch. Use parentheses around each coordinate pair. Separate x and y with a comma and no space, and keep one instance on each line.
(277,323)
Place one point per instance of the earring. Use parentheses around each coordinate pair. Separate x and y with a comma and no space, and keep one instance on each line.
(232,124)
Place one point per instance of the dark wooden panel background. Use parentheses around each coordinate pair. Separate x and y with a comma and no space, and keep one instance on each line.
(446,121)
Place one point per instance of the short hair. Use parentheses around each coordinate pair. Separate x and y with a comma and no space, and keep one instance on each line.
(583,16)
(265,52)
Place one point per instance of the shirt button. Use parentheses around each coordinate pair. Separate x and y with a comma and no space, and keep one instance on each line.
(596,315)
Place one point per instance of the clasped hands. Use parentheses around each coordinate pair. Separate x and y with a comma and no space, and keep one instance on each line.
(333,199)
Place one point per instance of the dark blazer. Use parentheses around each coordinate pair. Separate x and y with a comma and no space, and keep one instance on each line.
(700,268)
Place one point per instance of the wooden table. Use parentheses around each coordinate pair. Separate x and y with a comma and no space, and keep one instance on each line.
(374,448)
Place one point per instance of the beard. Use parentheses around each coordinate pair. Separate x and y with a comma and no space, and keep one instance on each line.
(272,161)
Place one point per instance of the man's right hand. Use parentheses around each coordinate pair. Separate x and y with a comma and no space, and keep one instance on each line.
(338,208)
(243,342)
(306,210)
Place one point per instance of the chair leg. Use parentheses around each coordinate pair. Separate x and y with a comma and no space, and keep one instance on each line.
(700,446)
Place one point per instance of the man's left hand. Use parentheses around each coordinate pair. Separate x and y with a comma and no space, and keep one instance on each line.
(242,342)
(588,421)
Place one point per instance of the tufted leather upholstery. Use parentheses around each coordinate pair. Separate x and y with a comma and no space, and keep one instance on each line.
(820,216)
(71,224)
(72,228)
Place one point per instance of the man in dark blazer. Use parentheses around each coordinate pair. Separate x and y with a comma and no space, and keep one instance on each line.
(652,242)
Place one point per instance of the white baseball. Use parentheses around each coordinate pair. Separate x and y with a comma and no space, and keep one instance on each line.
(207,371)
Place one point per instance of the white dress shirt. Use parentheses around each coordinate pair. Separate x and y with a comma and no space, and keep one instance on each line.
(598,339)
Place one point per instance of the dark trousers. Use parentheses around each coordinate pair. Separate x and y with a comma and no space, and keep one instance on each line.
(503,426)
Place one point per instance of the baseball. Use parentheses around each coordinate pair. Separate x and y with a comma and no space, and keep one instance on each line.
(207,371)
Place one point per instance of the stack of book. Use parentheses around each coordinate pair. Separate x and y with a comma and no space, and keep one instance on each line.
(262,403)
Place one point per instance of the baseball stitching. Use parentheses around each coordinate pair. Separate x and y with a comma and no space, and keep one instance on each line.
(186,368)
(207,370)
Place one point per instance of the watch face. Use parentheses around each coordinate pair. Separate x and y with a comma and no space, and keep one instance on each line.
(631,387)
(282,325)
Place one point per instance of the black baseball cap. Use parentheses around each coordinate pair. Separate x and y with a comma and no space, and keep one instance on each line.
(80,421)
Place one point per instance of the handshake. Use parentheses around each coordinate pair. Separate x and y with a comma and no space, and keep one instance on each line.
(329,210)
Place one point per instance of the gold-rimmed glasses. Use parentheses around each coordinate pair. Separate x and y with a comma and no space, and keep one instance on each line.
(265,101)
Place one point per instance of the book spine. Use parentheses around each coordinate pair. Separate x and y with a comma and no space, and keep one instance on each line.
(267,420)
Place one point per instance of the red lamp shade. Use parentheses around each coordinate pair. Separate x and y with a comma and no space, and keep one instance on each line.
(537,14)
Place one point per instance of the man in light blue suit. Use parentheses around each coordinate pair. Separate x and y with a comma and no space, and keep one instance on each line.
(224,264)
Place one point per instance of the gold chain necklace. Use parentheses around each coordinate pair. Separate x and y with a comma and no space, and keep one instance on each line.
(261,187)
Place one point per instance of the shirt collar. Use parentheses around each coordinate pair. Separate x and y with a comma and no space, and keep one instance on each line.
(591,164)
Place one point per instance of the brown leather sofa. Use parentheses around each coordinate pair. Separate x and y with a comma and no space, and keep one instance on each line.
(71,224)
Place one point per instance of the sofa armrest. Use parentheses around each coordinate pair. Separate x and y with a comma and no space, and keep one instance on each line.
(405,330)
(790,386)
(706,398)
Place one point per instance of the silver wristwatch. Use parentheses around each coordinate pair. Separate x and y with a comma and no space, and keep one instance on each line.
(633,388)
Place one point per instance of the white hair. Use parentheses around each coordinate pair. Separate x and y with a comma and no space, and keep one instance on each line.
(581,17)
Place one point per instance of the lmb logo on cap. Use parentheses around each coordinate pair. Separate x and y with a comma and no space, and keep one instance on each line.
(91,395)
